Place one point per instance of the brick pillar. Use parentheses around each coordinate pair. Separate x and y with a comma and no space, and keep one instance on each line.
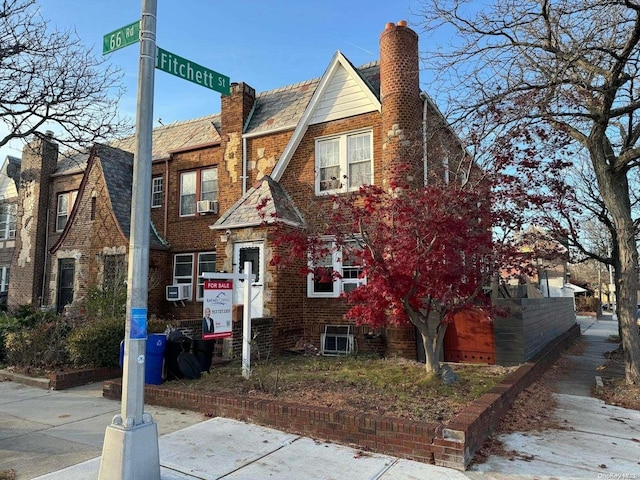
(401,105)
(39,159)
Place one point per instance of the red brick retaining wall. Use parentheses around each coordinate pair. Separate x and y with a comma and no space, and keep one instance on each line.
(74,378)
(452,446)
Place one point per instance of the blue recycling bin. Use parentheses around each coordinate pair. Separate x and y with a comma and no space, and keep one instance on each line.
(154,356)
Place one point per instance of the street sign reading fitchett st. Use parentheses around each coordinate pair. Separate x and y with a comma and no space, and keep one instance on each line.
(167,61)
(188,70)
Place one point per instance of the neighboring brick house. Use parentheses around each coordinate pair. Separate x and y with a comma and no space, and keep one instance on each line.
(291,146)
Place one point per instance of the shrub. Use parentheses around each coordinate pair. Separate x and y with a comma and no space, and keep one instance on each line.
(41,346)
(587,304)
(97,344)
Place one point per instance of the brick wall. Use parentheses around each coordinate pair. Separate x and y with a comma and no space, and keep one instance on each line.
(466,433)
(452,446)
(28,264)
(393,436)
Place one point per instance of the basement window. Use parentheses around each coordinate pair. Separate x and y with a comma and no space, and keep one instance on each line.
(337,340)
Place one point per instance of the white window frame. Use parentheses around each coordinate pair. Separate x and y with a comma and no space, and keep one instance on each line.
(200,281)
(343,181)
(8,215)
(4,279)
(200,193)
(183,279)
(339,284)
(60,214)
(156,191)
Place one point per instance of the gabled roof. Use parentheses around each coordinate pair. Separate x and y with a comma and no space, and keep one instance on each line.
(178,136)
(266,202)
(284,107)
(339,63)
(70,164)
(117,168)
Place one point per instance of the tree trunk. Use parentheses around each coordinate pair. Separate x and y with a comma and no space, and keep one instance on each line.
(432,343)
(614,188)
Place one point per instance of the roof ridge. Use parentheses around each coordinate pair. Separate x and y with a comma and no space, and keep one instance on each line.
(309,81)
(182,122)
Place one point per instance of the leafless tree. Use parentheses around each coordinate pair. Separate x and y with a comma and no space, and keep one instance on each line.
(556,67)
(48,79)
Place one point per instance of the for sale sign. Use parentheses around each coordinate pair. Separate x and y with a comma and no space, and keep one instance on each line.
(216,309)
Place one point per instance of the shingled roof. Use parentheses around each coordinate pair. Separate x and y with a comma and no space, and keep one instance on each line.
(117,167)
(266,202)
(178,136)
(283,107)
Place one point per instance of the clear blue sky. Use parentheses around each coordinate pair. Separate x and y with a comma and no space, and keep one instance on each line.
(265,43)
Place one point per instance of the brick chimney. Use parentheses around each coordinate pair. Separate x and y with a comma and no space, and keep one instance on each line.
(236,109)
(39,159)
(401,105)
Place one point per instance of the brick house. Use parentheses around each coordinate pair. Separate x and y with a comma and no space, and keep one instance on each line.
(289,147)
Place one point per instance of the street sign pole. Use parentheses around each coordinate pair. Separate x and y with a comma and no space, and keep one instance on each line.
(130,450)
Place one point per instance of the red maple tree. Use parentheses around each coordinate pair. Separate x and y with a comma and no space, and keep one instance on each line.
(423,255)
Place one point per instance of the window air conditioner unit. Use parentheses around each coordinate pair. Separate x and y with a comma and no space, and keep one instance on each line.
(207,206)
(179,292)
(337,340)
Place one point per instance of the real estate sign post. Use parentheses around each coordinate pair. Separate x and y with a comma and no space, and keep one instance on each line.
(216,308)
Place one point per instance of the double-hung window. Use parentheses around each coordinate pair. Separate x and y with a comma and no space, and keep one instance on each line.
(65,204)
(336,272)
(8,212)
(4,279)
(197,185)
(206,264)
(156,192)
(344,162)
(184,269)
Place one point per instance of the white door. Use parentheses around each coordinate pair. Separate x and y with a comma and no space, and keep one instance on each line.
(250,252)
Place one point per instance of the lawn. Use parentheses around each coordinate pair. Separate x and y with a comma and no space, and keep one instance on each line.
(393,386)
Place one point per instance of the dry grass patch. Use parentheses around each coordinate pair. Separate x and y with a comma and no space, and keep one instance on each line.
(394,387)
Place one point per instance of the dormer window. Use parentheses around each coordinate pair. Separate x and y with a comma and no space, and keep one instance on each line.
(344,162)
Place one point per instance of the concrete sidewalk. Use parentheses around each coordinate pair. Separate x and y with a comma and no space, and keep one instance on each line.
(43,432)
(601,441)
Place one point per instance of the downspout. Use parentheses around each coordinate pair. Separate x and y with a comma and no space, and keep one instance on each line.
(244,166)
(244,148)
(46,258)
(425,107)
(166,197)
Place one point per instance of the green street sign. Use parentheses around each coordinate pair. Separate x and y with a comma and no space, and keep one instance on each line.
(123,37)
(186,69)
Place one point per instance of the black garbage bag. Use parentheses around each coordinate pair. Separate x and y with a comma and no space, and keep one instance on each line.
(203,350)
(177,343)
(189,365)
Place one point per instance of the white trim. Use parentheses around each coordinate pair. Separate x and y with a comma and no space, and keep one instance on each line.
(339,283)
(183,277)
(343,161)
(262,133)
(337,60)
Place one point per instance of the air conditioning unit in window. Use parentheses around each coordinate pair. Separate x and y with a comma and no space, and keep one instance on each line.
(207,206)
(337,340)
(178,292)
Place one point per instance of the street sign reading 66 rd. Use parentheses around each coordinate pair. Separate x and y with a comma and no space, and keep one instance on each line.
(123,37)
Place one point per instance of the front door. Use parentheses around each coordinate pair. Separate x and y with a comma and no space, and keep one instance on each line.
(66,273)
(250,252)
